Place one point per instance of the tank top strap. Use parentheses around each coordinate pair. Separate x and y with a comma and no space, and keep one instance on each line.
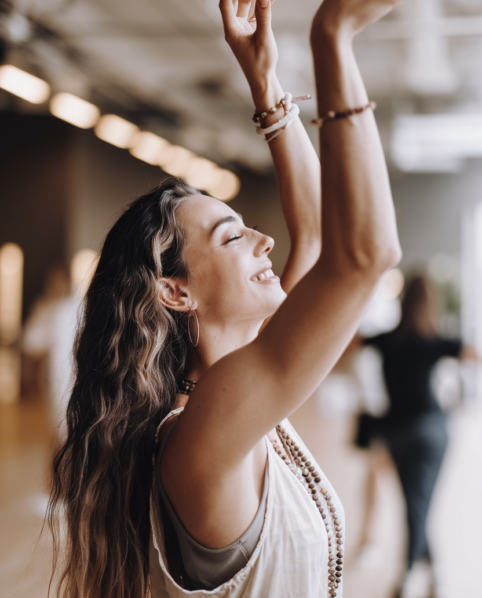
(164,420)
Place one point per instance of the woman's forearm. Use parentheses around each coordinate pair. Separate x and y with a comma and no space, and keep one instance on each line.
(358,216)
(298,175)
(297,167)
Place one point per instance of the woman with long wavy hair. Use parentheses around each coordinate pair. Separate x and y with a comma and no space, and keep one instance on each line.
(180,474)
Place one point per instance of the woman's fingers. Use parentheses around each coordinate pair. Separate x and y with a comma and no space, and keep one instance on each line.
(263,16)
(228,14)
(244,8)
(252,8)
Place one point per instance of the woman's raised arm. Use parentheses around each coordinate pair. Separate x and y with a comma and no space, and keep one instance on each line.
(249,391)
(247,26)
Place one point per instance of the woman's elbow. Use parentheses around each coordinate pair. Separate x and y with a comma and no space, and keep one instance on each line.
(392,256)
(377,259)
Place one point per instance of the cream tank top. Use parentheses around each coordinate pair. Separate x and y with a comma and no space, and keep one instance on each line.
(291,557)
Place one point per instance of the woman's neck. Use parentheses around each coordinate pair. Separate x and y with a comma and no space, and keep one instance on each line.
(215,342)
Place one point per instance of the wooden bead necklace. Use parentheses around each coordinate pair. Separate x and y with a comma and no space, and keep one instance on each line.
(303,469)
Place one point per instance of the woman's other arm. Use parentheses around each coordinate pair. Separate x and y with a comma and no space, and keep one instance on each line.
(251,390)
(249,34)
(247,392)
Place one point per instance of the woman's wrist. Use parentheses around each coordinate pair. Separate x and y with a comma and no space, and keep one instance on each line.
(326,40)
(328,29)
(266,93)
(338,83)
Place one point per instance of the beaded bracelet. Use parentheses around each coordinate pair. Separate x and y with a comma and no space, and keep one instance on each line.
(258,117)
(332,115)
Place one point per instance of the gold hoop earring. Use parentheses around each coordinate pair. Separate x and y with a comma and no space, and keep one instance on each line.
(193,311)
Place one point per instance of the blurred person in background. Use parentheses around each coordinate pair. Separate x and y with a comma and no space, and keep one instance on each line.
(180,472)
(64,323)
(414,428)
(49,334)
(38,331)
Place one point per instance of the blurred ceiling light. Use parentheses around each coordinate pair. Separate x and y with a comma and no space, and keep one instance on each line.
(225,185)
(148,147)
(116,130)
(176,160)
(18,27)
(435,142)
(74,110)
(201,173)
(11,285)
(391,284)
(82,269)
(23,84)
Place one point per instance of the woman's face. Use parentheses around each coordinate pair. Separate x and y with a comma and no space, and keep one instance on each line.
(230,271)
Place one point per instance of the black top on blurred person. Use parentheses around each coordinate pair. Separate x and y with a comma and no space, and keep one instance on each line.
(411,350)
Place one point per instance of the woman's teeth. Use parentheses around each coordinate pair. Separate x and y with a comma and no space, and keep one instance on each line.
(264,275)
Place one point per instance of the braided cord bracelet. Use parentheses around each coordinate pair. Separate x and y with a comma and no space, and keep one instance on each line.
(291,111)
(279,126)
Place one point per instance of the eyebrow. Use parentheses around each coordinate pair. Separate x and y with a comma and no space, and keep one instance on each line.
(222,221)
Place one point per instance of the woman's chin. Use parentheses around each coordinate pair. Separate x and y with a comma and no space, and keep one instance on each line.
(276,300)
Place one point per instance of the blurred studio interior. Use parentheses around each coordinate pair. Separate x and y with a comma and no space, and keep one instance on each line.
(101,100)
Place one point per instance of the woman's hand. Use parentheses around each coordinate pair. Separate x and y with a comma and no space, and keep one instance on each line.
(247,28)
(346,18)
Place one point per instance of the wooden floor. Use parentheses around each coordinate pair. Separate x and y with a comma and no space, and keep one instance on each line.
(25,450)
(455,522)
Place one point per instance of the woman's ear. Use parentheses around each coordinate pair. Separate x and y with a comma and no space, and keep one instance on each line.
(174,295)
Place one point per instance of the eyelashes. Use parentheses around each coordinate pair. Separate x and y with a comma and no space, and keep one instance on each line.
(233,239)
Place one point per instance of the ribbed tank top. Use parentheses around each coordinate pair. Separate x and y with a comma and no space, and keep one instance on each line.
(291,557)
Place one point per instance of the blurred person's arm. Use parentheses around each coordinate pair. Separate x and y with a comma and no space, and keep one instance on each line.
(469,352)
(296,163)
(449,347)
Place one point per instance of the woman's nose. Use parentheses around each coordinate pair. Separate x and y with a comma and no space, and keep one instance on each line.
(265,244)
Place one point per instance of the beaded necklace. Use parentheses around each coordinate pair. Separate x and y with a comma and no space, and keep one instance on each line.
(303,469)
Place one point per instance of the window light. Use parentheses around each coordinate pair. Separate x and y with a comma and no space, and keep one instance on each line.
(82,269)
(11,285)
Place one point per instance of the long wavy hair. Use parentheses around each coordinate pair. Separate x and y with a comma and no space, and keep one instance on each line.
(130,353)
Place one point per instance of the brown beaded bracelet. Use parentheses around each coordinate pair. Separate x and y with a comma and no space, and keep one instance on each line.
(262,115)
(281,104)
(332,115)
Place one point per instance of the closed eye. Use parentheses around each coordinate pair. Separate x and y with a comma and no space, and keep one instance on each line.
(232,239)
